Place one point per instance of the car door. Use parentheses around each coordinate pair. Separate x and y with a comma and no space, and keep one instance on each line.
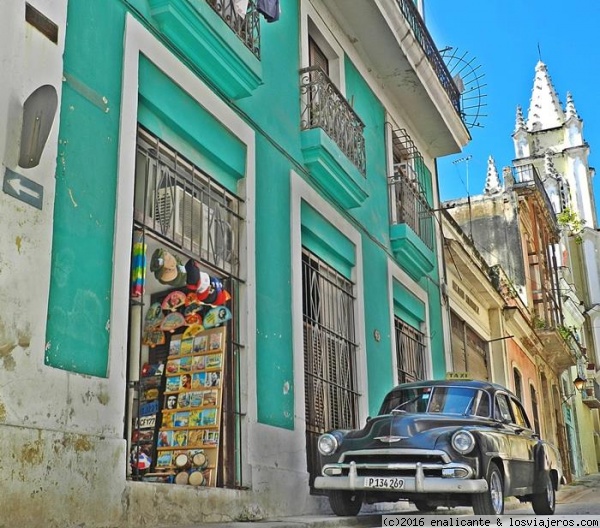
(525,442)
(520,453)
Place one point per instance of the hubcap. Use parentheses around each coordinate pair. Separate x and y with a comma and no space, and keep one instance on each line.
(496,493)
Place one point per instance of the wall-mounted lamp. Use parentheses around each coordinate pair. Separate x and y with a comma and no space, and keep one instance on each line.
(579,384)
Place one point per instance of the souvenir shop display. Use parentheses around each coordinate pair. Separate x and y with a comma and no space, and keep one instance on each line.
(177,425)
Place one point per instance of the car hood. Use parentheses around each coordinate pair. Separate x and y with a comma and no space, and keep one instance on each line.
(420,431)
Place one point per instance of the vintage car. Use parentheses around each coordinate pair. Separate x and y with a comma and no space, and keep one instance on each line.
(441,443)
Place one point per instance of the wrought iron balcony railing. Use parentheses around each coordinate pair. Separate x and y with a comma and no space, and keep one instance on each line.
(527,176)
(408,205)
(323,106)
(423,37)
(246,28)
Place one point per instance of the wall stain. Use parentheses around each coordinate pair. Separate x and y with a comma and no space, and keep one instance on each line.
(103,398)
(32,453)
(2,412)
(18,242)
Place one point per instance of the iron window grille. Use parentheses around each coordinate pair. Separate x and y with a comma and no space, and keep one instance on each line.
(331,400)
(411,358)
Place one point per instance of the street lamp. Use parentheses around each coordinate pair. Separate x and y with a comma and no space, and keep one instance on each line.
(579,384)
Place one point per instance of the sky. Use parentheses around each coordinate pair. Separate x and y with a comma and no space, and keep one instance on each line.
(506,38)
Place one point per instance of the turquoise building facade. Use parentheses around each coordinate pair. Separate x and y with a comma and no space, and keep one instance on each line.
(296,161)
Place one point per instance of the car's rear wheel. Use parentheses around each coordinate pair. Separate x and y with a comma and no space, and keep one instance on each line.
(345,503)
(491,502)
(424,506)
(544,503)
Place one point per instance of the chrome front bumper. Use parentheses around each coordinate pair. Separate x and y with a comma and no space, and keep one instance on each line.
(417,484)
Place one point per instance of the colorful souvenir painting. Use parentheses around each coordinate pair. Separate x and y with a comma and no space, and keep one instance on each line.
(213,361)
(183,400)
(154,316)
(185,364)
(181,419)
(195,438)
(216,317)
(175,346)
(172,384)
(186,347)
(196,419)
(198,380)
(192,331)
(180,439)
(185,382)
(211,437)
(172,366)
(200,343)
(165,439)
(209,398)
(198,363)
(195,399)
(209,417)
(214,342)
(173,301)
(172,322)
(164,459)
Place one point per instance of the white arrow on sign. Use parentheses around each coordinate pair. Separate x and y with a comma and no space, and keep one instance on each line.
(15,183)
(23,188)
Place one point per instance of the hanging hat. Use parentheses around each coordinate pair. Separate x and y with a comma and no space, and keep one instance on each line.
(197,281)
(167,268)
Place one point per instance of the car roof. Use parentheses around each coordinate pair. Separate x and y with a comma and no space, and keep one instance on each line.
(473,384)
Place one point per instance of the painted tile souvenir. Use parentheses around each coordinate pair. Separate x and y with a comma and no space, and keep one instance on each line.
(196,419)
(185,381)
(198,363)
(172,384)
(181,419)
(172,366)
(209,397)
(198,380)
(170,402)
(185,364)
(209,417)
(186,346)
(184,400)
(200,343)
(165,439)
(195,398)
(211,437)
(175,346)
(165,459)
(213,361)
(215,341)
(213,379)
(180,438)
(167,419)
(195,438)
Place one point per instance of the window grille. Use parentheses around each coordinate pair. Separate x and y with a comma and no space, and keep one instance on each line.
(410,352)
(329,353)
(182,208)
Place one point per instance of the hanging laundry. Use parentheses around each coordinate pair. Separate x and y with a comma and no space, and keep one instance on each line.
(241,7)
(269,9)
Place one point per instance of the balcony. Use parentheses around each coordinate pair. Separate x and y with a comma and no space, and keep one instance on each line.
(527,182)
(393,40)
(224,46)
(560,351)
(332,138)
(591,394)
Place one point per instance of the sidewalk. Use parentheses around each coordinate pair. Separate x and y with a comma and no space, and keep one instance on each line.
(581,490)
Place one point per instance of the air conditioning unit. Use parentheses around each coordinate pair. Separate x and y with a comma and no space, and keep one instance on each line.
(404,169)
(193,225)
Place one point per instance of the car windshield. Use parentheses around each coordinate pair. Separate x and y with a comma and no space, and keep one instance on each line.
(437,399)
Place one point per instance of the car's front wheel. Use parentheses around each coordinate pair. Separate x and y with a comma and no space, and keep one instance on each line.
(491,502)
(544,503)
(345,503)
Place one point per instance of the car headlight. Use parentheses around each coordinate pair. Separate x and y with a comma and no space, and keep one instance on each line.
(463,442)
(327,444)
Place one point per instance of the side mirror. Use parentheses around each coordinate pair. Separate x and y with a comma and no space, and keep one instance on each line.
(368,419)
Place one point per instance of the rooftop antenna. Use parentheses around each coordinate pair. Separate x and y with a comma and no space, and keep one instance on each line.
(465,160)
(467,77)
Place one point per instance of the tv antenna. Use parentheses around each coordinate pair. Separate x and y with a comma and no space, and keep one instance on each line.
(467,77)
(466,160)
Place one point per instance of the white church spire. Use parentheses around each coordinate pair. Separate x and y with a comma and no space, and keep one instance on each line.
(492,180)
(545,110)
(520,120)
(571,111)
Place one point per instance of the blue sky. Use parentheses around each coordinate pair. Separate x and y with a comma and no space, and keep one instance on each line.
(503,37)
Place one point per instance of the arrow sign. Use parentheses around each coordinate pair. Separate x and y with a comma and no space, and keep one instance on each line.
(23,188)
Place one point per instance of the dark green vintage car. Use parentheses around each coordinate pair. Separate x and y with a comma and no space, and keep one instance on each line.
(434,443)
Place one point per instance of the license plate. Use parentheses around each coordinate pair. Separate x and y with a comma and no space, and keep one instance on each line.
(392,483)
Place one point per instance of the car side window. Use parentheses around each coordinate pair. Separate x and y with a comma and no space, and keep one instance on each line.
(502,408)
(520,415)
